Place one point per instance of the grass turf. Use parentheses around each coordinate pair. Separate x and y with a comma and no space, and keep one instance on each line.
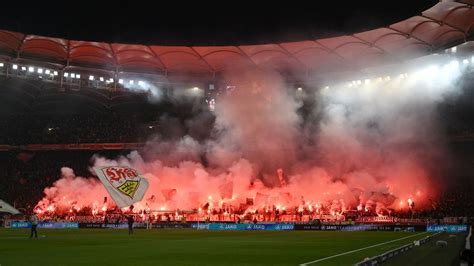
(190,247)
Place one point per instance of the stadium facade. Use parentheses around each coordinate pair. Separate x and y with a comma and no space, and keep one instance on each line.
(75,62)
(32,64)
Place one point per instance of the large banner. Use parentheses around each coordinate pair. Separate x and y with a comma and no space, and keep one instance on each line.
(135,225)
(309,227)
(458,228)
(233,226)
(51,225)
(361,227)
(111,225)
(124,184)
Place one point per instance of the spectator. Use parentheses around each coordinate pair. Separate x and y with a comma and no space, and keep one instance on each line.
(130,224)
(34,224)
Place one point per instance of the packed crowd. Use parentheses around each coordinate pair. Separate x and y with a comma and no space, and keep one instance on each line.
(117,216)
(25,175)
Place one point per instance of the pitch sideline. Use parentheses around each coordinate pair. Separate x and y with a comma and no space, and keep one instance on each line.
(356,250)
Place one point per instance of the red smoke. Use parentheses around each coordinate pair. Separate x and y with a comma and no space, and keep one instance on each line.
(365,148)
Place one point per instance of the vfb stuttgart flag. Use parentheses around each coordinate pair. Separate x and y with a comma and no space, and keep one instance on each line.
(124,184)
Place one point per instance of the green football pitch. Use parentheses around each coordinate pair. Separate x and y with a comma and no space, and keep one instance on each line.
(194,247)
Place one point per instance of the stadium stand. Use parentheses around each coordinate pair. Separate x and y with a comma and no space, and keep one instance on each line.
(82,98)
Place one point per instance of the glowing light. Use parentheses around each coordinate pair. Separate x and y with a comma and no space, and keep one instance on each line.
(131,82)
(300,89)
(328,194)
(78,76)
(465,61)
(101,79)
(23,68)
(196,88)
(73,75)
(66,74)
(15,67)
(40,71)
(47,72)
(31,69)
(141,83)
(55,73)
(1,64)
(162,208)
(91,77)
(453,49)
(120,81)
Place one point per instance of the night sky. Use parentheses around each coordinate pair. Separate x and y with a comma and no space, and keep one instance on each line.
(182,23)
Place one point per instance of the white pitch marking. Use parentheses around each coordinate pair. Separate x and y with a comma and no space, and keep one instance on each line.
(356,250)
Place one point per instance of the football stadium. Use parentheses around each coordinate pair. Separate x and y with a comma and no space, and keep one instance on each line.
(345,149)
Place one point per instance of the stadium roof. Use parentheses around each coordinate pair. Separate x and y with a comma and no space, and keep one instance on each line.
(443,25)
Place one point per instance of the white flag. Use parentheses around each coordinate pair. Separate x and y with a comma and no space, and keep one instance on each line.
(124,184)
(5,207)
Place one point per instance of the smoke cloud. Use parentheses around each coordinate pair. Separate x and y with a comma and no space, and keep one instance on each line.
(372,144)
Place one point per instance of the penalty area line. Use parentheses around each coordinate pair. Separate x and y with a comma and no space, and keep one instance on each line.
(359,249)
